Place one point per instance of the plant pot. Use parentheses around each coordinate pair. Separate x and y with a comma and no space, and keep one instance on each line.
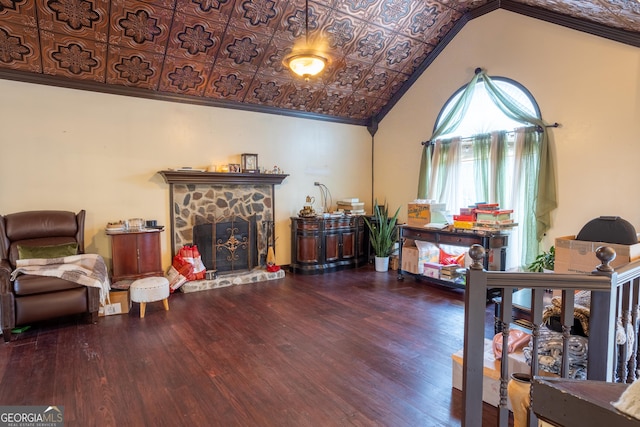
(382,263)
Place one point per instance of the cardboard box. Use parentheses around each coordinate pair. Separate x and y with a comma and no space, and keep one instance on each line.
(410,259)
(418,214)
(120,304)
(416,253)
(491,372)
(578,256)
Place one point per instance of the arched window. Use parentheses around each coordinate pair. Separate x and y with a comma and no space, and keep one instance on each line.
(489,145)
(483,115)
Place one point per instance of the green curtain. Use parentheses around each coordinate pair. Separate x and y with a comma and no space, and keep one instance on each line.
(500,172)
(449,123)
(481,146)
(441,169)
(490,175)
(544,193)
(529,165)
(425,170)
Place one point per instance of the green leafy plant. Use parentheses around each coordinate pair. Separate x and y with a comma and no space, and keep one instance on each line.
(545,261)
(382,230)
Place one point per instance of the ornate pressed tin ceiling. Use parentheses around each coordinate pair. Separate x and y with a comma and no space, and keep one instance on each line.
(228,53)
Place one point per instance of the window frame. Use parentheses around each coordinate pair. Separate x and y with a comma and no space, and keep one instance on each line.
(495,79)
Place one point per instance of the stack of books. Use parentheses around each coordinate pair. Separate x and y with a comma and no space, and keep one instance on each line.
(484,216)
(464,221)
(351,206)
(451,272)
(494,216)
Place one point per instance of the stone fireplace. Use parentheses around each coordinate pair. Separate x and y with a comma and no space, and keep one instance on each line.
(242,206)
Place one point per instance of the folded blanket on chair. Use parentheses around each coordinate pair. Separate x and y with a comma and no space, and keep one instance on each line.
(84,269)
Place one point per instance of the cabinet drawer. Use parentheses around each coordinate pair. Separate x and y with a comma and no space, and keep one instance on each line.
(419,235)
(341,223)
(459,240)
(307,225)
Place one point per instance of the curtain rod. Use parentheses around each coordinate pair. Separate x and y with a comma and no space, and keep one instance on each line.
(554,125)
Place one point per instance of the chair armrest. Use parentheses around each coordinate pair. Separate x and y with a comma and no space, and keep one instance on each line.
(5,277)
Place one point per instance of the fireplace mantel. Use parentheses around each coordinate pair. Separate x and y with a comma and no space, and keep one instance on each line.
(196,177)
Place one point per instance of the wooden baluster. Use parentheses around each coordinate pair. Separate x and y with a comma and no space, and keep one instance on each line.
(506,319)
(624,318)
(617,368)
(537,307)
(635,321)
(567,316)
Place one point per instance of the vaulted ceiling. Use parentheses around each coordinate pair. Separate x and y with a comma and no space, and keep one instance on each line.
(228,53)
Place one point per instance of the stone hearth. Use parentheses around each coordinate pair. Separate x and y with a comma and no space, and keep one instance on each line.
(232,279)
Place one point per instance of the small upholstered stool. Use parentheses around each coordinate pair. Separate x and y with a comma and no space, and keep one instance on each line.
(150,289)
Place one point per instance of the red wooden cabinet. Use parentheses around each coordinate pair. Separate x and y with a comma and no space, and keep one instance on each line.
(136,255)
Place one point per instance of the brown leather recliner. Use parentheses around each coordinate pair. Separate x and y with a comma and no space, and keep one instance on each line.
(31,298)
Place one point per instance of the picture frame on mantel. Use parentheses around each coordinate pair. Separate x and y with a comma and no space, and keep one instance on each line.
(249,163)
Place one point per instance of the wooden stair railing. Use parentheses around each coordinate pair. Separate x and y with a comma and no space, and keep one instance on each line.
(614,300)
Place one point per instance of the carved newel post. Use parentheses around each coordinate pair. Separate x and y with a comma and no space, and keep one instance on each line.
(477,254)
(605,254)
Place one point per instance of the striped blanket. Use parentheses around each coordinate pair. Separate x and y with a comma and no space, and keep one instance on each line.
(84,269)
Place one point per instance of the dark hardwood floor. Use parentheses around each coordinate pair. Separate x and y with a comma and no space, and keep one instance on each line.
(351,348)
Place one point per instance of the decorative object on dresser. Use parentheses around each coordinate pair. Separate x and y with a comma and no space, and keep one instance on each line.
(307,210)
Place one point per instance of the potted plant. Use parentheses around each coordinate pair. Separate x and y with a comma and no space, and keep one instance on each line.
(382,234)
(544,262)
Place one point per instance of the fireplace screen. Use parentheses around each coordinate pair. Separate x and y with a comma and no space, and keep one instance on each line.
(227,246)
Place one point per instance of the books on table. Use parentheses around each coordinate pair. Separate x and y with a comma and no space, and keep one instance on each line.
(351,205)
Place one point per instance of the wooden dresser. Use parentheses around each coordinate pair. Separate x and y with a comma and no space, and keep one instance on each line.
(320,245)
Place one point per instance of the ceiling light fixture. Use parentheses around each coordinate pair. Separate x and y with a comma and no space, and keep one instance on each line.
(306,62)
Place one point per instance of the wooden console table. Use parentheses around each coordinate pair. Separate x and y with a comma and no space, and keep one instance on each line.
(488,239)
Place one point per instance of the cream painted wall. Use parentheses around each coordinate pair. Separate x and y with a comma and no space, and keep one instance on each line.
(68,149)
(590,85)
(71,150)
